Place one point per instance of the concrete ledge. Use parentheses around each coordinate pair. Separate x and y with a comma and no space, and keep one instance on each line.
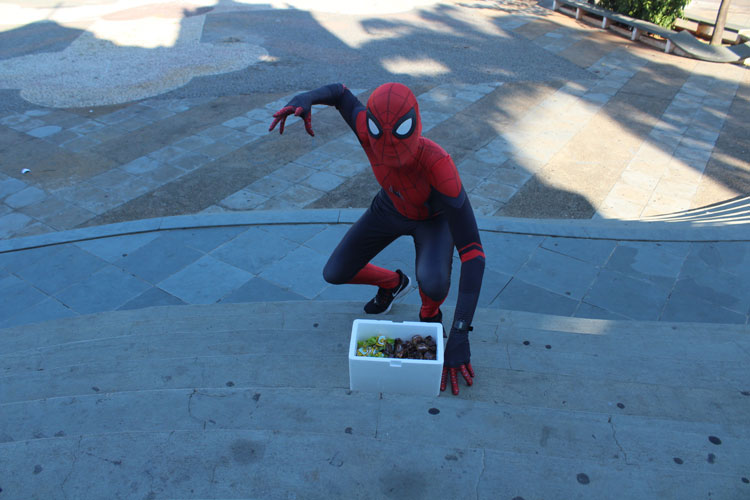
(604,229)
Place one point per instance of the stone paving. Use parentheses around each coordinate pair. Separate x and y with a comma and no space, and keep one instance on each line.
(668,271)
(165,326)
(523,149)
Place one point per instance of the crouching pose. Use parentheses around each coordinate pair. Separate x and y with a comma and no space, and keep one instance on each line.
(421,196)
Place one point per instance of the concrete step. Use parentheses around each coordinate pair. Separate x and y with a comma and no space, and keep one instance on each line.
(252,400)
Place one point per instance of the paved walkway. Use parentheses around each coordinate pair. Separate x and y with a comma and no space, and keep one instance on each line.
(656,271)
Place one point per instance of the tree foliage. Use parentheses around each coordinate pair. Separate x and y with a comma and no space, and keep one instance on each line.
(661,12)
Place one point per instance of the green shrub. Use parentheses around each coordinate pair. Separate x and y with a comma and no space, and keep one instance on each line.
(661,12)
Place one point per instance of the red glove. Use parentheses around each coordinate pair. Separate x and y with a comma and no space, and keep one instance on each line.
(300,105)
(457,358)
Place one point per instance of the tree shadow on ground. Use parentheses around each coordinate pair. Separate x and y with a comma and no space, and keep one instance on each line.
(426,48)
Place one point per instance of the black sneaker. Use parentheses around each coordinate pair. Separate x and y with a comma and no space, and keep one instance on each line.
(383,300)
(438,318)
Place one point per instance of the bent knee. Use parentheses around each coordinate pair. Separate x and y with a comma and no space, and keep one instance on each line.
(435,287)
(334,274)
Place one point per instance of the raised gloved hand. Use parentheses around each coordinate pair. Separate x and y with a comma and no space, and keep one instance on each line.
(457,358)
(300,105)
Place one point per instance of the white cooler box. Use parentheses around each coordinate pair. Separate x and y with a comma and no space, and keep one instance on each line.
(404,376)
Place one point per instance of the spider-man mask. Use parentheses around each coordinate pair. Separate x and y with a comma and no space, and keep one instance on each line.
(394,125)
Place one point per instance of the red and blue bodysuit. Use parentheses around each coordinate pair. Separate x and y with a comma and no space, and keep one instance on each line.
(421,196)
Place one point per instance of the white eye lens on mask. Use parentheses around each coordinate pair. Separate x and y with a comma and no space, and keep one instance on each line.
(374,130)
(404,128)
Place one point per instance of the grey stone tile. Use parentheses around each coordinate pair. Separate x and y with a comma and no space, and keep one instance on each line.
(111,178)
(48,206)
(216,150)
(46,310)
(64,119)
(141,165)
(92,199)
(596,252)
(299,270)
(237,139)
(12,223)
(491,156)
(203,239)
(296,196)
(298,233)
(68,217)
(44,131)
(472,166)
(470,182)
(190,161)
(152,297)
(731,256)
(586,310)
(293,172)
(254,250)
(26,197)
(238,122)
(260,290)
(347,167)
(657,262)
(627,296)
(205,281)
(14,119)
(261,114)
(14,262)
(511,174)
(105,134)
(328,239)
(57,271)
(158,259)
(10,186)
(116,116)
(149,180)
(166,154)
(494,191)
(106,290)
(352,293)
(258,129)
(506,252)
(243,199)
(87,127)
(19,296)
(713,285)
(493,282)
(269,186)
(324,181)
(558,273)
(82,143)
(151,114)
(33,229)
(194,142)
(217,132)
(26,125)
(521,296)
(315,159)
(685,305)
(114,248)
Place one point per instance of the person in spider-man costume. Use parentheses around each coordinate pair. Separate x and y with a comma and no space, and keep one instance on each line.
(421,196)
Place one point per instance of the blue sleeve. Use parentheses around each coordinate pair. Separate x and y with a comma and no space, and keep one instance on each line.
(349,107)
(463,226)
